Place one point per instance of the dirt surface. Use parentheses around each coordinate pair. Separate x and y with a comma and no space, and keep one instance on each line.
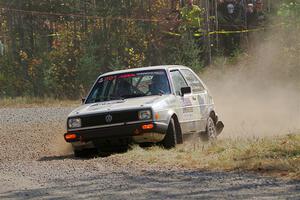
(35,163)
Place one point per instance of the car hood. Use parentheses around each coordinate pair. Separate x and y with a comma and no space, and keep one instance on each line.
(118,105)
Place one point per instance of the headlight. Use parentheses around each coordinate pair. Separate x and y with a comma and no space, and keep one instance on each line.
(74,123)
(145,114)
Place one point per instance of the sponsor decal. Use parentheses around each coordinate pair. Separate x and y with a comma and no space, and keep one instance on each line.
(187,105)
(126,75)
(150,73)
(187,102)
(130,75)
(188,110)
(203,107)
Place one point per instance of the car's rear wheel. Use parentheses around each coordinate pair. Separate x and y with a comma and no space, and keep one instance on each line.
(211,131)
(170,140)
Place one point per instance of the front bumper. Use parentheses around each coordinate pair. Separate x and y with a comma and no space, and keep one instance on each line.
(126,132)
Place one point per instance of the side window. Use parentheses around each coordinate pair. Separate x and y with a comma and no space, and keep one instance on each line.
(101,93)
(192,80)
(178,81)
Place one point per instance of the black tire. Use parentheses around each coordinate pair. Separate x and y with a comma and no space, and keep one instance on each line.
(179,136)
(78,153)
(146,144)
(170,139)
(211,131)
(85,153)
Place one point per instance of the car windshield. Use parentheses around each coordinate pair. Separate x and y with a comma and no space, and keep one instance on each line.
(129,85)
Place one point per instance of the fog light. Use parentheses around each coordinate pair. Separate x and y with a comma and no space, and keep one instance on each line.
(147,126)
(70,136)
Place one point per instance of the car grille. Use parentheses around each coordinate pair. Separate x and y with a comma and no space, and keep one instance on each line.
(117,117)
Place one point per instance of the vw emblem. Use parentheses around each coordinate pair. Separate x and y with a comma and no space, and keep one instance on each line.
(108,118)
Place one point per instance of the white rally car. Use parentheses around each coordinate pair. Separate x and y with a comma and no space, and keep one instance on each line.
(160,104)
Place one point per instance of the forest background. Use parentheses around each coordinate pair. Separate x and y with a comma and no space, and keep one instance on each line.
(57,48)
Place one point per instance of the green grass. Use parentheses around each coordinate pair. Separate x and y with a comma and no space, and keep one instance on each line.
(278,156)
(35,102)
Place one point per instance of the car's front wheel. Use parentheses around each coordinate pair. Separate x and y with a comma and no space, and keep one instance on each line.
(85,153)
(170,140)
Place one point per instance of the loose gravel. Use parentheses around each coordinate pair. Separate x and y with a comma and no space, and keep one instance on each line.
(35,163)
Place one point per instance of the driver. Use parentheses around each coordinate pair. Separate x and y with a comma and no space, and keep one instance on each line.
(159,85)
(124,88)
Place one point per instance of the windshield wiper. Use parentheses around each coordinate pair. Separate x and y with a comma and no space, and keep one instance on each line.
(116,98)
(104,99)
(133,96)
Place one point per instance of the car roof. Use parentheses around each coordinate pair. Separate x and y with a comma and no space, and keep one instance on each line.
(160,67)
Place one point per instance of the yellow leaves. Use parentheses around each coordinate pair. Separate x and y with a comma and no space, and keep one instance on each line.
(157,5)
(71,44)
(56,43)
(23,55)
(134,59)
(76,52)
(36,61)
(33,67)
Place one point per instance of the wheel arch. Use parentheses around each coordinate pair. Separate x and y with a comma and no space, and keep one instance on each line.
(214,116)
(179,135)
(173,115)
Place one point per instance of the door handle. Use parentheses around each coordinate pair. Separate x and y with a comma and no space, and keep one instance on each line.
(194,98)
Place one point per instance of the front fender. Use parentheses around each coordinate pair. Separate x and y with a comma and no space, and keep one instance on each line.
(164,116)
(170,114)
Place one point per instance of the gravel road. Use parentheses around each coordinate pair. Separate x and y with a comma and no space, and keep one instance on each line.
(35,163)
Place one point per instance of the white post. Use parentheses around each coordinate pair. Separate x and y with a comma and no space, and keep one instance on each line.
(1,48)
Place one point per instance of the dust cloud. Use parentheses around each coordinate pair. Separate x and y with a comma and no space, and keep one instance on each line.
(60,147)
(260,95)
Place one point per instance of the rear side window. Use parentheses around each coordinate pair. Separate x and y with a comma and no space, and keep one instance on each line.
(178,81)
(192,80)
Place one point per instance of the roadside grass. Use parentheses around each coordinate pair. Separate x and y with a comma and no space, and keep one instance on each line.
(279,156)
(21,102)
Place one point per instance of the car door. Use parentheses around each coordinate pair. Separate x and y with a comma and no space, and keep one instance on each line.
(184,103)
(200,98)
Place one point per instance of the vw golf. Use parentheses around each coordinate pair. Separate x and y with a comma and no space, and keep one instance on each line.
(159,104)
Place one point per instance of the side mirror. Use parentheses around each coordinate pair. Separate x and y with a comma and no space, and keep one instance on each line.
(83,100)
(186,90)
